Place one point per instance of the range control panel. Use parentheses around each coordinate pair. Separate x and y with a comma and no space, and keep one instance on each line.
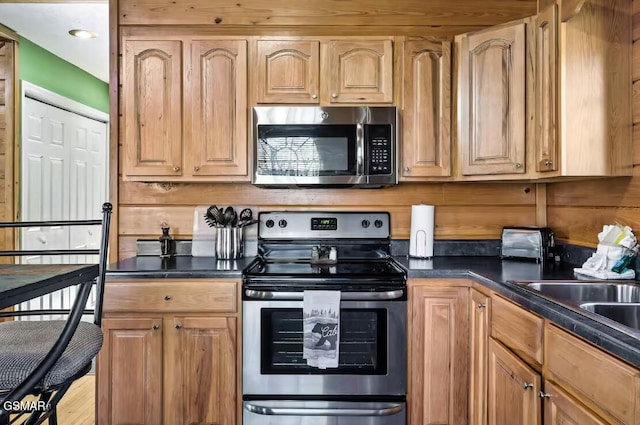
(379,148)
(324,225)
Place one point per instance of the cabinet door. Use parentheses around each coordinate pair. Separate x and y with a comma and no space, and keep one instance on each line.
(479,311)
(438,374)
(513,389)
(359,71)
(217,87)
(546,90)
(426,134)
(561,409)
(129,372)
(288,71)
(201,365)
(492,101)
(152,116)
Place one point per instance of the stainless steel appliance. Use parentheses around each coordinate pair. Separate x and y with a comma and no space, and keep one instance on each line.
(537,243)
(346,252)
(325,146)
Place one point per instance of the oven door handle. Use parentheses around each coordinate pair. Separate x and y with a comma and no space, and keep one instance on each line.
(344,296)
(302,411)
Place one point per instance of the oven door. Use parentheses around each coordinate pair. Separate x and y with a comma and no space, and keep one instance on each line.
(323,413)
(372,357)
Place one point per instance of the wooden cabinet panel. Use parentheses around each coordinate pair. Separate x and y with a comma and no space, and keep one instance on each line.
(492,101)
(359,71)
(152,115)
(217,92)
(129,372)
(546,140)
(479,314)
(513,389)
(608,385)
(426,133)
(288,71)
(438,377)
(201,356)
(518,329)
(561,409)
(171,296)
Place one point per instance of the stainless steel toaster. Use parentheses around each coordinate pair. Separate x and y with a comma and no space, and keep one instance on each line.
(535,243)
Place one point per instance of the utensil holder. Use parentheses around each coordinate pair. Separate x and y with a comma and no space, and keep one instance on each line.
(230,243)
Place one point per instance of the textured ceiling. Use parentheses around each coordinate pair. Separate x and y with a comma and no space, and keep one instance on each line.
(47,25)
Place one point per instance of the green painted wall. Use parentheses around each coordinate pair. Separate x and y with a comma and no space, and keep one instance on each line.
(42,68)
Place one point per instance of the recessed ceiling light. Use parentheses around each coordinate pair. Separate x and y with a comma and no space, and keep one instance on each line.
(83,33)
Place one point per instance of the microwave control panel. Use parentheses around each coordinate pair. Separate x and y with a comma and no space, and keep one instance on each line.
(379,148)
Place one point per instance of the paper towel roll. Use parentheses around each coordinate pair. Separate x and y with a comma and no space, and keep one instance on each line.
(421,240)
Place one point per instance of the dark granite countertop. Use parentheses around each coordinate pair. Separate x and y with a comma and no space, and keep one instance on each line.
(492,272)
(178,267)
(496,274)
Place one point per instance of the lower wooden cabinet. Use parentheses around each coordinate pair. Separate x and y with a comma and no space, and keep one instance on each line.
(561,409)
(513,389)
(438,344)
(479,320)
(168,367)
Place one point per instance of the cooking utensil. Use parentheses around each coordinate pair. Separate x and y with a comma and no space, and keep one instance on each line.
(219,215)
(228,216)
(246,214)
(210,216)
(247,222)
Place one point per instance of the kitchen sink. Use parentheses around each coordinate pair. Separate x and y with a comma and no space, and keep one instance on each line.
(627,314)
(589,292)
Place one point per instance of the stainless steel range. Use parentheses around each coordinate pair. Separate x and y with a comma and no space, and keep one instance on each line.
(304,252)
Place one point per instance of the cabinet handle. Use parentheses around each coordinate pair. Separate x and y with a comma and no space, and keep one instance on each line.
(314,96)
(481,306)
(178,326)
(518,165)
(156,327)
(196,168)
(334,95)
(167,297)
(407,169)
(548,163)
(526,385)
(544,395)
(176,169)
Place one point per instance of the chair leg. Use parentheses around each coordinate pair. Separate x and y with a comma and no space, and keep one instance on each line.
(53,419)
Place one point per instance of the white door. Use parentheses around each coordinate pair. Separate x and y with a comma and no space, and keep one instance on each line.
(64,177)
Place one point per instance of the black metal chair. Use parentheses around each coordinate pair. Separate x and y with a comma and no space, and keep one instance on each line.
(43,358)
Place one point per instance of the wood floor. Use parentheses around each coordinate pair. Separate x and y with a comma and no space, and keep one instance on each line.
(77,407)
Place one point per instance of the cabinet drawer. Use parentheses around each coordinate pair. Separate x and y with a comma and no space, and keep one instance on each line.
(192,295)
(518,329)
(606,384)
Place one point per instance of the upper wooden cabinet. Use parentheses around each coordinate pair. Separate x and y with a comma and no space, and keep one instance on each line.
(288,71)
(426,112)
(583,89)
(185,109)
(323,71)
(491,100)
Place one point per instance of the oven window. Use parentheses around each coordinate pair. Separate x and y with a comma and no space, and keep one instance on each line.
(306,150)
(363,345)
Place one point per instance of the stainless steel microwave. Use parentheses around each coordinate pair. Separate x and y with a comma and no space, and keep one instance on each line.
(333,146)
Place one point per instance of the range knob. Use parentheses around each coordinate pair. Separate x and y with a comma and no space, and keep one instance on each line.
(282,223)
(378,223)
(269,223)
(365,223)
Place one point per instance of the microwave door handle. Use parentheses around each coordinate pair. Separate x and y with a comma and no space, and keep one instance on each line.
(302,411)
(344,296)
(359,149)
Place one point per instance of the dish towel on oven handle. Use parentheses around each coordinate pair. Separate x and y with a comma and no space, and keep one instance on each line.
(321,320)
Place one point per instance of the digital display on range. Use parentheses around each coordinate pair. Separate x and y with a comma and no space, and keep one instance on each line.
(324,223)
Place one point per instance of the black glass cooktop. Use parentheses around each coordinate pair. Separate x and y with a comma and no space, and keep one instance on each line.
(352,269)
